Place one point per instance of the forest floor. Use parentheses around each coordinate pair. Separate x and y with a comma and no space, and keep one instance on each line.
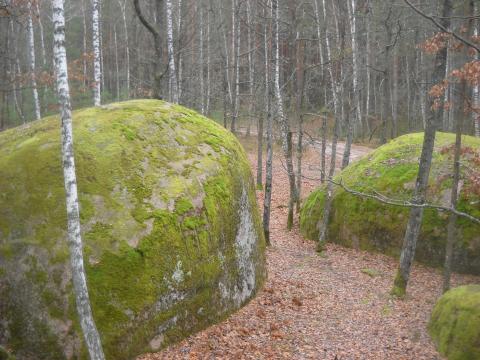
(334,305)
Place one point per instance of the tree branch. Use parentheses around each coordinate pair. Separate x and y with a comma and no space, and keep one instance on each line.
(395,202)
(441,27)
(144,21)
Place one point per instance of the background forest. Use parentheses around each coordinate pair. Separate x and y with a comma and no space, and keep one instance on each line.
(373,55)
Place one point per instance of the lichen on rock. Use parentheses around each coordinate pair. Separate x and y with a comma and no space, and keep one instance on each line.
(169,222)
(455,323)
(391,170)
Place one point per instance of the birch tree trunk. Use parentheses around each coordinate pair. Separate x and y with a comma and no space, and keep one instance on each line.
(32,66)
(209,85)
(236,60)
(320,50)
(180,54)
(97,71)
(202,65)
(476,89)
(90,333)
(117,72)
(283,121)
(416,214)
(353,122)
(84,55)
(127,49)
(268,111)
(355,69)
(251,68)
(368,70)
(172,76)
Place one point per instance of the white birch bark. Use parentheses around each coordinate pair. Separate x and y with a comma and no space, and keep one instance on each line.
(180,55)
(207,108)
(117,72)
(283,121)
(355,54)
(97,71)
(127,48)
(476,93)
(90,333)
(335,87)
(251,68)
(172,76)
(32,66)
(202,65)
(369,73)
(236,60)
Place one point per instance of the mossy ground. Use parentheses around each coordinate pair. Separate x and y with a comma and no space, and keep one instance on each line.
(391,170)
(455,323)
(159,188)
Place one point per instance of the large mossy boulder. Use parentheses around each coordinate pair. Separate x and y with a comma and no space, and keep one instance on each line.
(172,236)
(455,323)
(391,170)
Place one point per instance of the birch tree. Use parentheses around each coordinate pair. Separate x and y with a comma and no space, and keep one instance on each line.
(123,6)
(357,110)
(32,65)
(476,88)
(90,333)
(97,72)
(268,113)
(282,119)
(172,76)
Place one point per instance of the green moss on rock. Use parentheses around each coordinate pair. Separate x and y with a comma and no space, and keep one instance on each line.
(391,170)
(172,235)
(455,323)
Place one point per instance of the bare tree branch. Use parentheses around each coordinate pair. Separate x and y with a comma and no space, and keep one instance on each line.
(403,203)
(441,27)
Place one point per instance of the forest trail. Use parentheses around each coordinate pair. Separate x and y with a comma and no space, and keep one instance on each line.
(330,306)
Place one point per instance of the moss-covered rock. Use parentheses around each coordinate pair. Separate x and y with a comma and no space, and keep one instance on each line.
(391,170)
(172,236)
(455,323)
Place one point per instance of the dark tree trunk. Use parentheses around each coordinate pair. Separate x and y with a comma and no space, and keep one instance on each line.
(416,214)
(158,47)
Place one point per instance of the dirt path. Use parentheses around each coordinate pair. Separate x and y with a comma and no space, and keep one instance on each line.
(321,307)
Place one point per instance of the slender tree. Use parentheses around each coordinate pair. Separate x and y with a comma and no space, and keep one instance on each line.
(282,119)
(157,39)
(172,75)
(32,63)
(416,214)
(268,113)
(97,69)
(91,335)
